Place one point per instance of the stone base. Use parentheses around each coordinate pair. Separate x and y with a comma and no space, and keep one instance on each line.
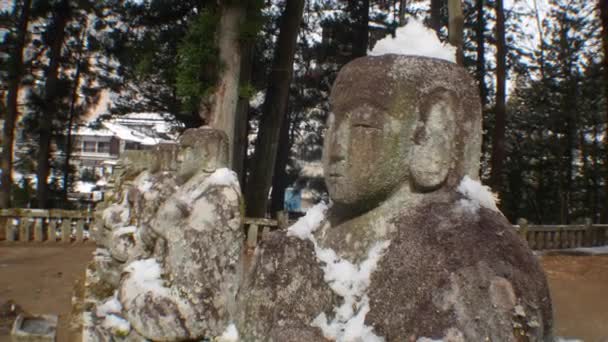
(38,328)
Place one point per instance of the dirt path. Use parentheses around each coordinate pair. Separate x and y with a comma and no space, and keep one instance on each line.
(579,290)
(41,279)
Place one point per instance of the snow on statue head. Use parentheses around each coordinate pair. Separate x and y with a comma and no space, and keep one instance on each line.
(400,123)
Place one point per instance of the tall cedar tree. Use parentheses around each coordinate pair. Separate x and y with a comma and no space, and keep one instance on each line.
(498,141)
(56,35)
(603,6)
(456,28)
(11,113)
(436,15)
(274,108)
(221,109)
(480,64)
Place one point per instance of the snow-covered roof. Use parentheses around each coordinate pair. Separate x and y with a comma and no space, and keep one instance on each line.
(129,134)
(143,128)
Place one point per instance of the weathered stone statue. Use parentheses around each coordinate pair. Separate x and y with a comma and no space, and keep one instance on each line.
(174,242)
(412,248)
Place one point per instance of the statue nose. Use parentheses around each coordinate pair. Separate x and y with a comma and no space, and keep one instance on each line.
(338,148)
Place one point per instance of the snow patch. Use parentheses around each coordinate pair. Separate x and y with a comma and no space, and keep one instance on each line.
(110,306)
(125,230)
(231,334)
(415,39)
(426,339)
(223,177)
(476,195)
(143,182)
(84,187)
(310,222)
(117,325)
(145,277)
(347,280)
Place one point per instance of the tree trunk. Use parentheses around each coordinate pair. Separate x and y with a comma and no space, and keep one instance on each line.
(480,29)
(541,38)
(498,141)
(275,105)
(280,181)
(60,18)
(604,18)
(361,34)
(11,111)
(402,7)
(241,140)
(225,98)
(68,137)
(436,15)
(456,28)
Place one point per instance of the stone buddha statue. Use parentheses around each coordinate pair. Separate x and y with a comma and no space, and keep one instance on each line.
(401,160)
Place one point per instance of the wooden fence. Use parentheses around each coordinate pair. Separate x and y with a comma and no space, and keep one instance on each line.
(40,225)
(541,237)
(54,225)
(256,227)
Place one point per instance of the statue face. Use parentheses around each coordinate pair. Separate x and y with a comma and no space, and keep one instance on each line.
(367,145)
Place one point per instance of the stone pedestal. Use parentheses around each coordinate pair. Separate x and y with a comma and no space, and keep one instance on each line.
(41,328)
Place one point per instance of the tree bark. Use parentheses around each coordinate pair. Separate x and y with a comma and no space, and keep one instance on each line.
(604,19)
(224,102)
(402,7)
(61,15)
(480,30)
(541,38)
(456,28)
(241,140)
(280,181)
(436,15)
(11,112)
(71,117)
(275,105)
(498,141)
(361,34)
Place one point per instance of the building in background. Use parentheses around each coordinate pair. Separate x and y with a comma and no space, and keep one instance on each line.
(96,150)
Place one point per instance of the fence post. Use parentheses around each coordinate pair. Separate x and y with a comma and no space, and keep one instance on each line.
(265,232)
(38,232)
(10,229)
(80,230)
(588,233)
(24,229)
(52,231)
(523,229)
(252,235)
(282,219)
(66,230)
(4,223)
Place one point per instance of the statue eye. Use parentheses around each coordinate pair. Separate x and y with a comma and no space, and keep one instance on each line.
(364,125)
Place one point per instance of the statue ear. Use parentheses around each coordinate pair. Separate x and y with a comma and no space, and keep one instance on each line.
(431,155)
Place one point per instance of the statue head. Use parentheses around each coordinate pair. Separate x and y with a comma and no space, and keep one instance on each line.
(400,122)
(201,149)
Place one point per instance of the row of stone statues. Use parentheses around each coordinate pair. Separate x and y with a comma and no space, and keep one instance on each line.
(411,248)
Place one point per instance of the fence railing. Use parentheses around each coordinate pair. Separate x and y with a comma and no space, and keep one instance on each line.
(258,227)
(55,225)
(541,237)
(41,225)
